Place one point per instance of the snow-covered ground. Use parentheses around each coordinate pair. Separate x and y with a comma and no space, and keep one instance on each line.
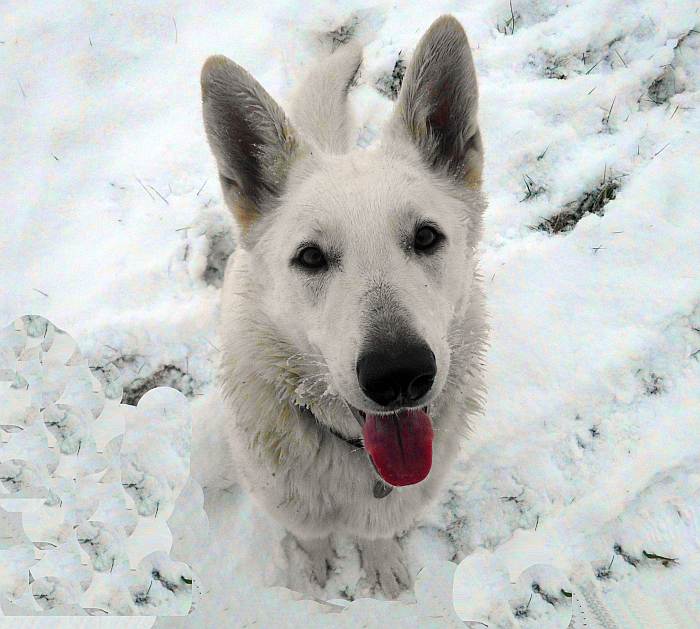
(588,455)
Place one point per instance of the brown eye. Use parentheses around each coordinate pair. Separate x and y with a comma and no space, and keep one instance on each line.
(311,258)
(426,239)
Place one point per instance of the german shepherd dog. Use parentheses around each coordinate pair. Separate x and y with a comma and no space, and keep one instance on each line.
(353,323)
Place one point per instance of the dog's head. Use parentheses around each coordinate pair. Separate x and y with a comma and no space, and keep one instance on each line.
(362,259)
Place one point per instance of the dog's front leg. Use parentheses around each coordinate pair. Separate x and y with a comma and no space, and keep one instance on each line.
(384,565)
(321,555)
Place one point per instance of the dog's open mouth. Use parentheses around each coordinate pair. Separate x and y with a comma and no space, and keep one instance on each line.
(400,444)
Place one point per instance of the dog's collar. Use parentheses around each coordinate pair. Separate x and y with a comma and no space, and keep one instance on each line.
(355,443)
(380,489)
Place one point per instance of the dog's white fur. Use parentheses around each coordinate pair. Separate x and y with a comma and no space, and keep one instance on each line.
(290,341)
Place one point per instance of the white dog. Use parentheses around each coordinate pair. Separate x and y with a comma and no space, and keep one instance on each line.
(353,325)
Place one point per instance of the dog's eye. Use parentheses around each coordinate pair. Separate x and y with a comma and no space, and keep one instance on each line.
(311,258)
(426,238)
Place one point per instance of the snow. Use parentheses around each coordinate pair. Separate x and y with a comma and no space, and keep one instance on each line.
(588,450)
(87,485)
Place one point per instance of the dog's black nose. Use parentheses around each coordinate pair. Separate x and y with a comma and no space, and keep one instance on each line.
(397,374)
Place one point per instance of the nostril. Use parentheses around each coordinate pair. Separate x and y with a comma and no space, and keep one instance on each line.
(384,394)
(420,386)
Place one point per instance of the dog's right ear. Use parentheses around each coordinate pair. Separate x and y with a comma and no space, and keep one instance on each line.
(252,140)
(437,105)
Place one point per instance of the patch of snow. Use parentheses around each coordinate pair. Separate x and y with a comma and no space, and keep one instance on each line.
(587,451)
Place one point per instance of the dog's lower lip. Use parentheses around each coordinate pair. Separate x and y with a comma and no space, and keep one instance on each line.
(360,414)
(398,410)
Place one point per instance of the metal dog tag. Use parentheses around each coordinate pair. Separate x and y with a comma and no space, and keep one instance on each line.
(381,490)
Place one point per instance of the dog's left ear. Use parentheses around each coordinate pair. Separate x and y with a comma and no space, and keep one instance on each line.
(437,105)
(251,138)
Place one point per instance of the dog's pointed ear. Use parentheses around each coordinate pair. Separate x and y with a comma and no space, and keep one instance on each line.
(251,138)
(437,105)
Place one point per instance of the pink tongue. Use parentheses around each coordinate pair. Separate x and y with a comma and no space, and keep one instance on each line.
(401,446)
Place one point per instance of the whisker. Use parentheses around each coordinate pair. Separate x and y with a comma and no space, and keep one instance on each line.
(355,450)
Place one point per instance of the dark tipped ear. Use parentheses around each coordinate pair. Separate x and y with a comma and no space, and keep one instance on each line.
(250,136)
(437,105)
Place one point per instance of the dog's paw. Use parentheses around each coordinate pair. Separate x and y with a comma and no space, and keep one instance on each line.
(321,557)
(384,566)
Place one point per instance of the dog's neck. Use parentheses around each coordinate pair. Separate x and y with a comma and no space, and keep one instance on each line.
(355,443)
(380,489)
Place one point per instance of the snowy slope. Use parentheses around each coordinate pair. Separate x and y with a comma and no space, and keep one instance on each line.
(114,230)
